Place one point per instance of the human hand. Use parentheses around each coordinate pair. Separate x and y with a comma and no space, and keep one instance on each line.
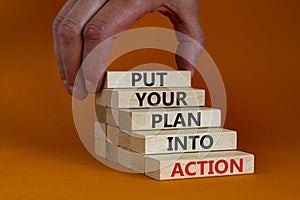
(83,24)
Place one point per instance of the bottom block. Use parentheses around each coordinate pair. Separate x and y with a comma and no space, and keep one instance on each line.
(132,160)
(195,165)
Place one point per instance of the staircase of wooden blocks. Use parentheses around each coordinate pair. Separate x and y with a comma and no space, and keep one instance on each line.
(153,122)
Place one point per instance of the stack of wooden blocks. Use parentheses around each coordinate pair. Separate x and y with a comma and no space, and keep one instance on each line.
(153,122)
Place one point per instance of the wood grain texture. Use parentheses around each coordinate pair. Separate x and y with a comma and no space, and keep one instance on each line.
(183,140)
(101,97)
(137,79)
(149,97)
(132,160)
(100,148)
(100,130)
(169,118)
(107,115)
(196,165)
(112,152)
(126,158)
(173,140)
(118,137)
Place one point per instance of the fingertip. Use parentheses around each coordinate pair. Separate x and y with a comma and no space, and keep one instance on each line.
(67,87)
(79,93)
(90,86)
(183,64)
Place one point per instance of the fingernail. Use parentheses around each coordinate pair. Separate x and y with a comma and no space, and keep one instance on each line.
(78,92)
(90,86)
(65,82)
(74,89)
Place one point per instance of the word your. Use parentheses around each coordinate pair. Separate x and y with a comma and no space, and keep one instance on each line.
(155,99)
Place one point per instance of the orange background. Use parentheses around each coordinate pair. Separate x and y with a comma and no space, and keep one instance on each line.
(255,44)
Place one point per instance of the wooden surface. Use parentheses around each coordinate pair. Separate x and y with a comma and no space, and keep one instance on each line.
(112,152)
(101,97)
(136,79)
(100,148)
(166,141)
(126,158)
(149,97)
(132,160)
(107,115)
(125,135)
(183,140)
(118,137)
(169,118)
(196,165)
(100,130)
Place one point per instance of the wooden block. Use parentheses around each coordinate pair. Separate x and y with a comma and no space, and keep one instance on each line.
(137,162)
(136,79)
(117,137)
(101,97)
(195,165)
(132,160)
(112,152)
(100,148)
(107,115)
(101,113)
(169,118)
(125,158)
(160,97)
(112,117)
(182,140)
(100,131)
(173,140)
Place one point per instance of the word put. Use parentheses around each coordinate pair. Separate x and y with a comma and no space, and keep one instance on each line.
(149,79)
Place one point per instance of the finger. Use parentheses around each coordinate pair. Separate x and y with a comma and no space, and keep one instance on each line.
(185,17)
(70,38)
(115,17)
(58,20)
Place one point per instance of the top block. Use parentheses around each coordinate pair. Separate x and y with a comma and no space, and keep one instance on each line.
(137,79)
